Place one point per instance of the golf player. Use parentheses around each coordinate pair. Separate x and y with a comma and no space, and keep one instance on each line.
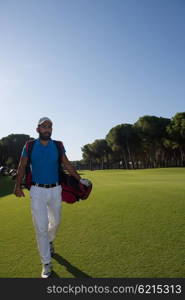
(45,191)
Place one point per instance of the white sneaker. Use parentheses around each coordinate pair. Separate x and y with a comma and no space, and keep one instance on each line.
(46,270)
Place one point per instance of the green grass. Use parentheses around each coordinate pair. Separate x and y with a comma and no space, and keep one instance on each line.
(132,225)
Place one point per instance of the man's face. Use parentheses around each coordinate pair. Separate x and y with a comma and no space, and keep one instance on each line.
(45,130)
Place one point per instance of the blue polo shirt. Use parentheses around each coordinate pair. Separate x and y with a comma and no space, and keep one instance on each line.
(44,162)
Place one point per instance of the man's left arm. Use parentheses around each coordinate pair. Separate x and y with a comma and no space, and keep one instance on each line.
(70,168)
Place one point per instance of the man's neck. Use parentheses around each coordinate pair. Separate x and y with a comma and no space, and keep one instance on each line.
(43,142)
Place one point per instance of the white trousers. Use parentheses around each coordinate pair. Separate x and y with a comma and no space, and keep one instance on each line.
(46,213)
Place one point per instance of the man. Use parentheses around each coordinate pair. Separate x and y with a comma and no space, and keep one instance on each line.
(45,191)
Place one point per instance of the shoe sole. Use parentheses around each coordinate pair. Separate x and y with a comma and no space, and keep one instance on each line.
(46,276)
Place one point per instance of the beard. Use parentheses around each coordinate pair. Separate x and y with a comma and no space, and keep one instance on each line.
(45,136)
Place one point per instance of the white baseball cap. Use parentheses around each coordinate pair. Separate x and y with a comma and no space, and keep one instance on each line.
(42,120)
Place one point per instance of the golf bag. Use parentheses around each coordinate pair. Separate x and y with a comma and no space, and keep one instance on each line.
(72,190)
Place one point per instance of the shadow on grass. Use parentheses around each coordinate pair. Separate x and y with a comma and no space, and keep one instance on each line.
(6,185)
(70,268)
(54,275)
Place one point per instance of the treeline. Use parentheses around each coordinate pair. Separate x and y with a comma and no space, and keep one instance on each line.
(11,148)
(150,142)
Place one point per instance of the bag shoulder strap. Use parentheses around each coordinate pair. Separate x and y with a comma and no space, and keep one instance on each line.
(60,147)
(29,148)
(30,144)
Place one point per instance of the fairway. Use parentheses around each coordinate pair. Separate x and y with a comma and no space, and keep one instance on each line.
(132,225)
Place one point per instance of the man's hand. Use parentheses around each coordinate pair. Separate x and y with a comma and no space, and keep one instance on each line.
(86,182)
(19,192)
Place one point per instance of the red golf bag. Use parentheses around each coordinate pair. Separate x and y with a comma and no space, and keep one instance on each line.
(72,190)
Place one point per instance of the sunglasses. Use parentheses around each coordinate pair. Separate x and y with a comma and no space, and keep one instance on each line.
(45,126)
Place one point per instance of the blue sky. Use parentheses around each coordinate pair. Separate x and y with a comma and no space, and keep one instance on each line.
(89,65)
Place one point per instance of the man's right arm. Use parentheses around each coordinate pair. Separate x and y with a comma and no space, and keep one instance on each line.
(20,174)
